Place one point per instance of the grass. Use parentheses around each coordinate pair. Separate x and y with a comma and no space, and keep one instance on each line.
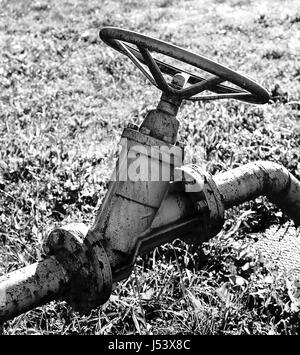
(65,98)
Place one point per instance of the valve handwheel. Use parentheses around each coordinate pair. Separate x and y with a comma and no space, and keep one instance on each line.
(248,91)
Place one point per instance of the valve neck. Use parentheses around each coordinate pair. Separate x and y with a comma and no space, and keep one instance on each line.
(162,122)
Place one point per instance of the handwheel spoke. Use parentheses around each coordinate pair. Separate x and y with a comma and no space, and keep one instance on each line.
(137,63)
(201,86)
(237,96)
(154,69)
(170,70)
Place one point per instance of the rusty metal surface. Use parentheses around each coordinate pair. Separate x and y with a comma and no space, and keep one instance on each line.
(70,270)
(155,71)
(254,92)
(261,178)
(129,206)
(278,245)
(192,210)
(170,103)
(162,123)
(202,189)
(102,273)
(87,266)
(31,287)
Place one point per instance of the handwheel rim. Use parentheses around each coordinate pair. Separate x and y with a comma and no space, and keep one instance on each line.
(256,93)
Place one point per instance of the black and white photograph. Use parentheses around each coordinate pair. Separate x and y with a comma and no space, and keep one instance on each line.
(150,170)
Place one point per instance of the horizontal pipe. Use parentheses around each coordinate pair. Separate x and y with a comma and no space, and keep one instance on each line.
(47,280)
(261,178)
(30,287)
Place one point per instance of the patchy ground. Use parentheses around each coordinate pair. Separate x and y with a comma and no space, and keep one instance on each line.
(64,99)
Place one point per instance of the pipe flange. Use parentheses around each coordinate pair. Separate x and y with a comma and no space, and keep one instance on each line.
(66,244)
(89,272)
(202,189)
(102,269)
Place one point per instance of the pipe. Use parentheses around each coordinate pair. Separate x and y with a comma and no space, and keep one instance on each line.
(261,178)
(30,287)
(47,280)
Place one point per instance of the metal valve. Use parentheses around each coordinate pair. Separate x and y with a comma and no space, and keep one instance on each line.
(152,197)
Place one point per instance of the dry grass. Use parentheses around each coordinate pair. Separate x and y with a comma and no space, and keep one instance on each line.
(65,98)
